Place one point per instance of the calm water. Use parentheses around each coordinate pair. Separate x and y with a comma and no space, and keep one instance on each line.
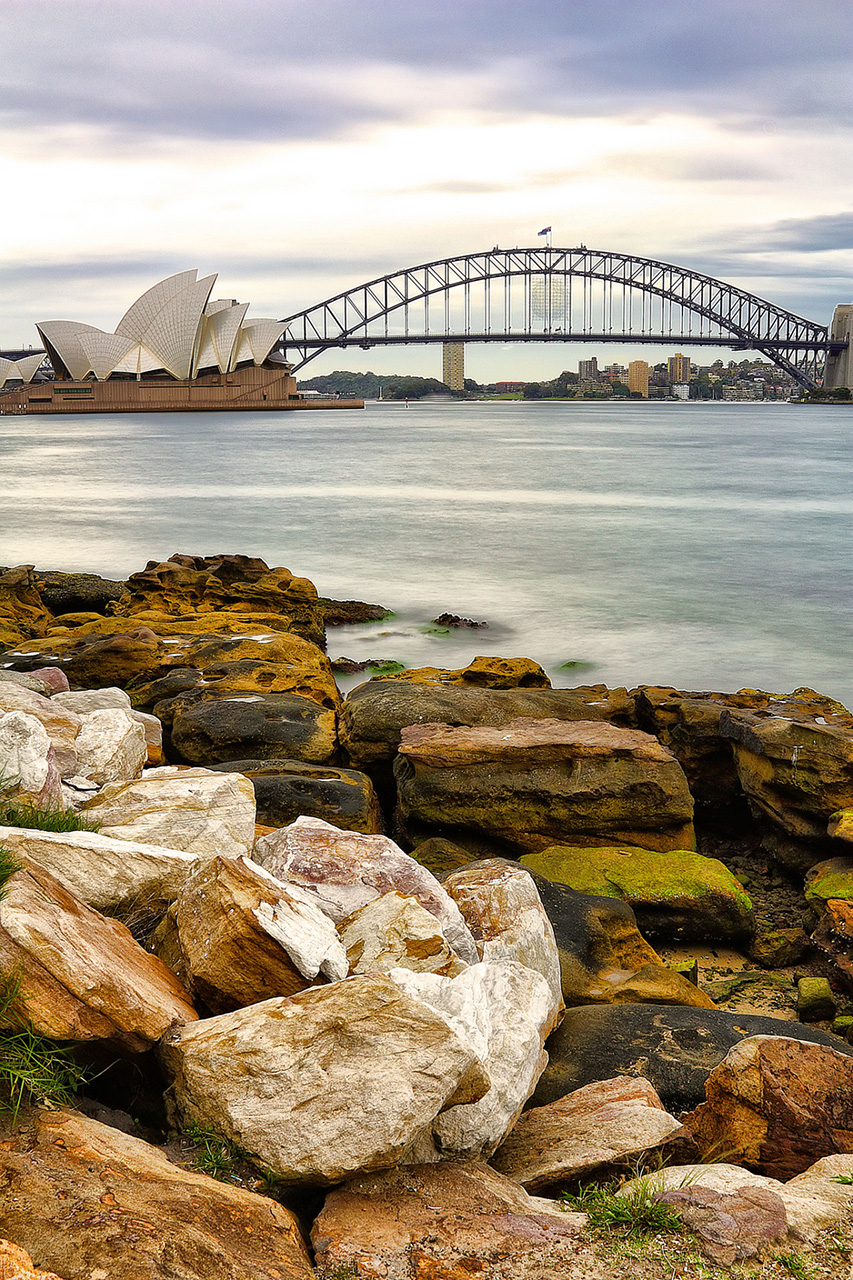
(699,545)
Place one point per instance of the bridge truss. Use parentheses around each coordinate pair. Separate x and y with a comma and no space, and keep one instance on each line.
(558,295)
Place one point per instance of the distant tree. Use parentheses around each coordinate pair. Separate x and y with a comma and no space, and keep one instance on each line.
(413,388)
(471,385)
(532,391)
(841,393)
(619,388)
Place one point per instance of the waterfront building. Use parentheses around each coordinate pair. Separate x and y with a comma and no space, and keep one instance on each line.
(681,391)
(638,378)
(678,368)
(453,365)
(588,369)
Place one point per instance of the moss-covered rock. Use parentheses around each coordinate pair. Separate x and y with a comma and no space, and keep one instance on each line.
(674,895)
(481,673)
(830,879)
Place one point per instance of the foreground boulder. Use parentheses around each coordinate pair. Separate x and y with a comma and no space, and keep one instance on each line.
(450,1222)
(344,871)
(92,1202)
(210,730)
(79,975)
(589,1133)
(675,895)
(777,1105)
(16,1264)
(531,783)
(196,810)
(111,746)
(61,724)
(324,1084)
(28,763)
(289,789)
(674,1048)
(393,932)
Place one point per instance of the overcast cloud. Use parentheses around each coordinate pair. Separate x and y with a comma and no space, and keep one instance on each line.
(301,148)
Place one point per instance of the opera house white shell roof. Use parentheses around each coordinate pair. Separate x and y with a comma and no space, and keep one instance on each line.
(173,328)
(21,370)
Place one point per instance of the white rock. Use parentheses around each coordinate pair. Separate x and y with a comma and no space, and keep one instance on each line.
(500,904)
(82,701)
(394,931)
(506,1012)
(111,746)
(197,810)
(330,1082)
(61,723)
(28,759)
(346,870)
(106,873)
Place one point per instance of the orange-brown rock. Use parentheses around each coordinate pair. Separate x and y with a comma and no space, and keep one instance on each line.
(22,611)
(531,782)
(92,1203)
(16,1264)
(481,673)
(79,975)
(94,660)
(776,1106)
(446,1222)
(834,936)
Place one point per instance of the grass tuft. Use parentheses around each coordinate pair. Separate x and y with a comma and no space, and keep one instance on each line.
(216,1156)
(23,813)
(32,1068)
(8,866)
(639,1213)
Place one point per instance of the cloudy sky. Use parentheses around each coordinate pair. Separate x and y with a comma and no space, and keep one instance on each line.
(300,148)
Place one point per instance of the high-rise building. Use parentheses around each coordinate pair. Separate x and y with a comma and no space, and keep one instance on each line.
(638,377)
(588,368)
(678,368)
(453,365)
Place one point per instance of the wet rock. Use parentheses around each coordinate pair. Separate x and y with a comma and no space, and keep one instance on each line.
(778,948)
(530,783)
(94,1203)
(448,1221)
(79,975)
(341,613)
(326,1083)
(289,789)
(834,937)
(481,673)
(832,878)
(674,895)
(197,810)
(394,931)
(210,731)
(689,725)
(588,1133)
(674,1047)
(77,592)
(777,1105)
(344,871)
(815,1001)
(454,620)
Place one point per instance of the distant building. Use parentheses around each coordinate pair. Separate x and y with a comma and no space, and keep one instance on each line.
(453,365)
(503,388)
(638,378)
(681,391)
(678,368)
(588,368)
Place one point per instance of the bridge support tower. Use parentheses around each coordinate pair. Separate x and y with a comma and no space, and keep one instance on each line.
(453,365)
(839,368)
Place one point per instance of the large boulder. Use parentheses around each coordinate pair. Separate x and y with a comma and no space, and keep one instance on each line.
(94,1203)
(289,789)
(506,1012)
(196,810)
(236,936)
(588,1134)
(345,870)
(777,1105)
(394,931)
(111,747)
(326,1083)
(81,976)
(674,895)
(28,764)
(501,906)
(61,724)
(208,730)
(675,1048)
(446,1222)
(82,701)
(827,880)
(112,655)
(22,610)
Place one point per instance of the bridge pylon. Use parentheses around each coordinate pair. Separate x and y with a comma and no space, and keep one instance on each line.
(838,371)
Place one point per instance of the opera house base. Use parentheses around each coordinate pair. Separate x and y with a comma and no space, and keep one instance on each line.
(247,388)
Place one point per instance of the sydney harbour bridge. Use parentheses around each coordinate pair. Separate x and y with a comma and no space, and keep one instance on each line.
(568,295)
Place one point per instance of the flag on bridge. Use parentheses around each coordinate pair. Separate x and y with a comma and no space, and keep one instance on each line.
(546,231)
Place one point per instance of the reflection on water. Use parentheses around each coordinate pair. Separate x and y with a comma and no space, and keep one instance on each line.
(706,546)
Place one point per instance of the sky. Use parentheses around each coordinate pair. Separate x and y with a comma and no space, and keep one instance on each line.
(300,149)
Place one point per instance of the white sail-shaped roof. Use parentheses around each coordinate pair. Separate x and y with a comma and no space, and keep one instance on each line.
(262,336)
(139,318)
(173,333)
(64,337)
(224,331)
(104,351)
(24,369)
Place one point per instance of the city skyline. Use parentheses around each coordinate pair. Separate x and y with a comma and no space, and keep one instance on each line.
(302,153)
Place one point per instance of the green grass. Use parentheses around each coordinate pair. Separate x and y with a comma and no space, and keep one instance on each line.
(845,1178)
(32,1067)
(216,1156)
(8,866)
(23,813)
(796,1265)
(638,1213)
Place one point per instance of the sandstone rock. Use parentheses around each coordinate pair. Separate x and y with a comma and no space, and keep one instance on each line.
(326,1083)
(689,725)
(815,1001)
(375,713)
(275,662)
(244,937)
(481,673)
(506,1012)
(777,1105)
(32,682)
(587,1133)
(16,1264)
(834,937)
(79,975)
(54,677)
(397,932)
(83,701)
(111,747)
(531,783)
(97,1204)
(795,765)
(778,948)
(346,870)
(196,810)
(288,789)
(210,731)
(675,1048)
(840,825)
(832,878)
(115,876)
(22,610)
(93,660)
(674,895)
(501,906)
(28,766)
(730,1227)
(61,724)
(446,1222)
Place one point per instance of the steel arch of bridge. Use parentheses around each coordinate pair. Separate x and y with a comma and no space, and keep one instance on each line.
(557,295)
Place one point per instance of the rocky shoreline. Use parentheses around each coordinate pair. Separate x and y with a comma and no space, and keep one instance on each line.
(405,968)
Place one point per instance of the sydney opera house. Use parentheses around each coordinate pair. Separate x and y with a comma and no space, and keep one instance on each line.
(173,349)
